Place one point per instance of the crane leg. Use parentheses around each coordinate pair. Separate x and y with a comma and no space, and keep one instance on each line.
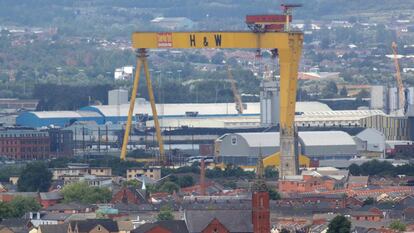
(289,64)
(154,113)
(141,56)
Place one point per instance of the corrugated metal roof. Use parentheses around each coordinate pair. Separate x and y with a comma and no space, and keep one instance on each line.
(326,138)
(201,108)
(267,139)
(311,106)
(346,115)
(66,114)
(310,138)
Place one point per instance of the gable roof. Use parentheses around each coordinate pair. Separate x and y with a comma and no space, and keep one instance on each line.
(139,194)
(69,206)
(174,226)
(233,220)
(56,228)
(14,222)
(51,196)
(358,180)
(89,224)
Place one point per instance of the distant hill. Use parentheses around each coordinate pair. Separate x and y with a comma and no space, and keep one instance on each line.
(125,15)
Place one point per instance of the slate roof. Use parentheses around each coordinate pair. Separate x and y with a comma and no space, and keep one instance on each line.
(51,196)
(88,225)
(122,207)
(68,206)
(233,220)
(174,226)
(58,228)
(17,225)
(14,222)
(358,180)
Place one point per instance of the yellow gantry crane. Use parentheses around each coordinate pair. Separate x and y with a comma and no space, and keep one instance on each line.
(401,100)
(236,95)
(265,34)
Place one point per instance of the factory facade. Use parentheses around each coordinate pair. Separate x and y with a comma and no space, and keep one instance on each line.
(30,144)
(244,148)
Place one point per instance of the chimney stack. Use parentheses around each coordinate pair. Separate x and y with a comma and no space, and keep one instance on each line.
(202,178)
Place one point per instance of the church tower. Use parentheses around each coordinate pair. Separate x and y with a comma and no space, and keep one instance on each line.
(260,201)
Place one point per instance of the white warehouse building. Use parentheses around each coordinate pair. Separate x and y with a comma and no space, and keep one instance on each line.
(244,148)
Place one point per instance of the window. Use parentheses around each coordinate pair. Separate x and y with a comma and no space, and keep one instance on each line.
(234,140)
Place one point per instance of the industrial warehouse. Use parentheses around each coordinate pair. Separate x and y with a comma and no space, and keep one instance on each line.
(273,125)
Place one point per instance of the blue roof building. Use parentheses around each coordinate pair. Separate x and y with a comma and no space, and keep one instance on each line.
(57,118)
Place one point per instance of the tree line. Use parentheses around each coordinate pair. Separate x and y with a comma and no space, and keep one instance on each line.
(380,168)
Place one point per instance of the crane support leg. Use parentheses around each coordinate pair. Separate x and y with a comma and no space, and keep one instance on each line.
(289,64)
(142,61)
(141,55)
(154,113)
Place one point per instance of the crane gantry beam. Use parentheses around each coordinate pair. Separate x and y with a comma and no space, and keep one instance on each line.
(205,40)
(288,45)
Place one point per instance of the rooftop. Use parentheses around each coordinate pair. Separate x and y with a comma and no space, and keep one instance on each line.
(309,138)
(212,109)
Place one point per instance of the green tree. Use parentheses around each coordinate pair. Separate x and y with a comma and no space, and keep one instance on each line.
(185,181)
(330,90)
(339,224)
(271,172)
(20,205)
(274,195)
(10,170)
(169,187)
(165,213)
(354,169)
(217,58)
(343,92)
(5,210)
(397,225)
(35,177)
(82,192)
(132,183)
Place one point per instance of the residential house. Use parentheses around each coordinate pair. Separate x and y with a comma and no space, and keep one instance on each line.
(58,173)
(15,225)
(371,216)
(9,196)
(130,195)
(151,172)
(168,226)
(41,218)
(203,221)
(70,208)
(357,182)
(50,198)
(93,226)
(307,183)
(59,228)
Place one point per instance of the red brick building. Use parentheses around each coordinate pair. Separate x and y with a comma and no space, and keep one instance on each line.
(167,226)
(307,183)
(215,226)
(129,195)
(50,198)
(24,144)
(371,216)
(260,211)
